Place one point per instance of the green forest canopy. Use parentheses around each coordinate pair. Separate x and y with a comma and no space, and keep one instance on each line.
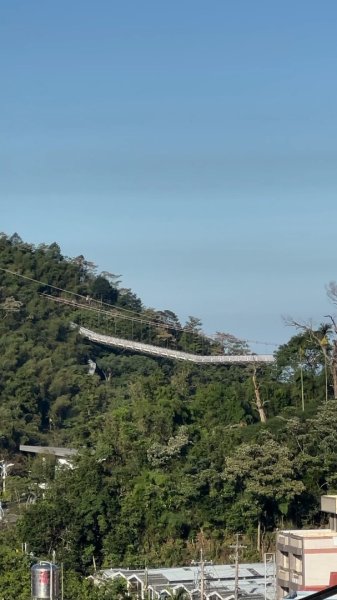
(169,453)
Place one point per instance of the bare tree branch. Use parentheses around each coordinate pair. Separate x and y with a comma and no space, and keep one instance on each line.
(331,290)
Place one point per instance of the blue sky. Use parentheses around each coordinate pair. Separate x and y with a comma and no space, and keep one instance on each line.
(190,146)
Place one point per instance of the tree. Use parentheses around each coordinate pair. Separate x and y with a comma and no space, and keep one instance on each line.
(260,481)
(10,306)
(192,338)
(325,338)
(230,344)
(159,454)
(258,401)
(164,447)
(112,278)
(193,324)
(14,571)
(318,443)
(128,299)
(103,290)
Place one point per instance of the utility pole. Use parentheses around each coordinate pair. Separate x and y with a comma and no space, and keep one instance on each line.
(237,546)
(146,582)
(4,466)
(202,563)
(202,575)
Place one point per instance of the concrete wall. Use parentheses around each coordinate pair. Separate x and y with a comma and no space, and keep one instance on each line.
(317,568)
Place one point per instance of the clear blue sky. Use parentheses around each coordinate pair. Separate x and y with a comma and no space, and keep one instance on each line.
(190,146)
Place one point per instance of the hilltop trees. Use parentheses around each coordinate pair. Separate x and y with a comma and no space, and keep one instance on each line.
(103,290)
(165,448)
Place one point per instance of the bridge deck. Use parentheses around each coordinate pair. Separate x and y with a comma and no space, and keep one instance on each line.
(133,346)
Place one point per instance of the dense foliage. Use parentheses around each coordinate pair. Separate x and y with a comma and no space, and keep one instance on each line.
(169,453)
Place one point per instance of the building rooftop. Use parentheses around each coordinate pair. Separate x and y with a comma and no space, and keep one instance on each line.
(310,533)
(51,450)
(219,579)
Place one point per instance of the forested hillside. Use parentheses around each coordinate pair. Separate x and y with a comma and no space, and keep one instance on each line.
(168,452)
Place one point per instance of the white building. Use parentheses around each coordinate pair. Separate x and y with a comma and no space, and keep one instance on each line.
(306,559)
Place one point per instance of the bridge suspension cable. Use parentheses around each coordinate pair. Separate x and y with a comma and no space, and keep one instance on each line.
(98,306)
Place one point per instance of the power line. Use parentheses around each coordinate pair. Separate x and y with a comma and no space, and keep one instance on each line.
(59,289)
(120,312)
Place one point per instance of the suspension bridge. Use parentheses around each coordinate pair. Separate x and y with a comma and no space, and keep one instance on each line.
(135,346)
(111,313)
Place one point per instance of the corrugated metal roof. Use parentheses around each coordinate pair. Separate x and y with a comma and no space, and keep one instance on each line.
(53,450)
(219,579)
(246,571)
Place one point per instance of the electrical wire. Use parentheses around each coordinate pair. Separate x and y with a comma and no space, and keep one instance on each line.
(117,312)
